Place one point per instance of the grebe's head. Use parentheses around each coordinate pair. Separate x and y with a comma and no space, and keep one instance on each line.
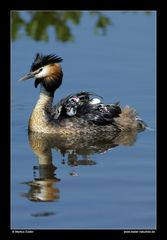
(47,71)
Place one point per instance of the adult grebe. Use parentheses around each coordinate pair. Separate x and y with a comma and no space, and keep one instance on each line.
(81,113)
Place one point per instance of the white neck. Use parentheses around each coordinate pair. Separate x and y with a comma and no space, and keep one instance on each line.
(44,97)
(38,118)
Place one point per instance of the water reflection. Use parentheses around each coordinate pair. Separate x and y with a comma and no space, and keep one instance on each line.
(42,214)
(44,187)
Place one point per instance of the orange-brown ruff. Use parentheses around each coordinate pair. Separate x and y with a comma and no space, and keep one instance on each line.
(82,113)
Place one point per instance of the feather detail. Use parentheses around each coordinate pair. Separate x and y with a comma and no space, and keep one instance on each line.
(41,60)
(84,105)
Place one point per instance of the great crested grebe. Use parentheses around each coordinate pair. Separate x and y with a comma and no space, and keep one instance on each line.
(81,113)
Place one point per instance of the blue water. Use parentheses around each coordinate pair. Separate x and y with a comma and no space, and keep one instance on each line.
(119,191)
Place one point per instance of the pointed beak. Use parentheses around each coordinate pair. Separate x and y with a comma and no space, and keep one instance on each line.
(27,76)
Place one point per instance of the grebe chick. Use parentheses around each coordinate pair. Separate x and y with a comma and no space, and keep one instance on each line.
(80,113)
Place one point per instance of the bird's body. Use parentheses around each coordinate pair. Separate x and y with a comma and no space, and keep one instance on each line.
(82,113)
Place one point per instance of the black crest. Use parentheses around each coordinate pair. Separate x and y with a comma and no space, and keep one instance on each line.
(41,60)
